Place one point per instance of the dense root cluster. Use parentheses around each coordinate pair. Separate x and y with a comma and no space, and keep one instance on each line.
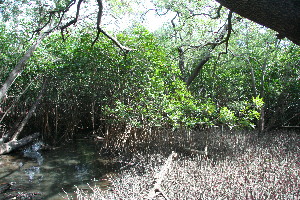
(247,167)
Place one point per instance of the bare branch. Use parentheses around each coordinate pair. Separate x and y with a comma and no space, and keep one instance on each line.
(217,14)
(156,12)
(17,99)
(227,28)
(100,30)
(30,112)
(116,42)
(74,20)
(52,14)
(174,26)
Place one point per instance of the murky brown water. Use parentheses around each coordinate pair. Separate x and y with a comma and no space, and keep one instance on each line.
(52,173)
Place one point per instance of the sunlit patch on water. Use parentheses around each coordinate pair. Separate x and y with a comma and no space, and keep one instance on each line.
(50,173)
(33,173)
(82,171)
(34,152)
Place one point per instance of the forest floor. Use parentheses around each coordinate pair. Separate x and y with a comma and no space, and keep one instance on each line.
(242,165)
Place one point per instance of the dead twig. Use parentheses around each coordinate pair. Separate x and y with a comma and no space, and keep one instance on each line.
(156,189)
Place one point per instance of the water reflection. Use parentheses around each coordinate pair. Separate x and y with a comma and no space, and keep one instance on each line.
(53,172)
(82,171)
(34,152)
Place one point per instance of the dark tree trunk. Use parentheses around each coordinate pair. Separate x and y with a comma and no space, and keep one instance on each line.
(283,16)
(218,41)
(197,69)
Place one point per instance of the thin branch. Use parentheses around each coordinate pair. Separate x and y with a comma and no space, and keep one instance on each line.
(73,21)
(156,12)
(218,13)
(17,99)
(99,17)
(174,25)
(48,22)
(116,42)
(51,14)
(100,30)
(228,28)
(64,12)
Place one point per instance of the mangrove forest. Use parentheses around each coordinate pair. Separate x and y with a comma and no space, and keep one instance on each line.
(149,99)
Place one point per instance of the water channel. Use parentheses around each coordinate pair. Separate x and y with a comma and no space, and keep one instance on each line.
(52,173)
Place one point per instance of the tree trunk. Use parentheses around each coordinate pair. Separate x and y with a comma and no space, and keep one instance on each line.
(261,123)
(15,144)
(197,69)
(181,62)
(9,142)
(19,68)
(253,81)
(29,114)
(283,16)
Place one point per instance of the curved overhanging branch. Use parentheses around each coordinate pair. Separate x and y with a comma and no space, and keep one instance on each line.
(99,17)
(282,16)
(197,69)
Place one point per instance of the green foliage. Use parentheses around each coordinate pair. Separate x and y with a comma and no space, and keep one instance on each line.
(12,47)
(241,114)
(227,117)
(258,102)
(154,96)
(146,87)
